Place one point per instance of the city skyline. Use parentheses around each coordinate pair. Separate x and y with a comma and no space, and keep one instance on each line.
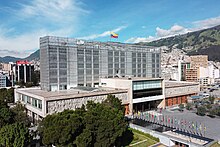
(25,21)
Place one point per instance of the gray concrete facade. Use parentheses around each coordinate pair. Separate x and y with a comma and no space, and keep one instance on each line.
(174,88)
(68,62)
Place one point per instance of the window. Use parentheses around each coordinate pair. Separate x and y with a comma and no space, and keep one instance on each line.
(39,104)
(116,53)
(146,85)
(22,98)
(28,100)
(34,102)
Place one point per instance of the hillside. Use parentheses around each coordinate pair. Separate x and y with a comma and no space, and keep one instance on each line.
(7,59)
(205,41)
(33,56)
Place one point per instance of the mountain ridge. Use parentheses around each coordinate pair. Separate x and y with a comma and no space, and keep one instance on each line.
(205,42)
(34,56)
(201,42)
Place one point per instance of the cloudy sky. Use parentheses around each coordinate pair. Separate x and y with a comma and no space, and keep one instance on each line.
(22,22)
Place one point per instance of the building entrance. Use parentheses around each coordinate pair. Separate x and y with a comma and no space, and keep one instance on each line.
(146,106)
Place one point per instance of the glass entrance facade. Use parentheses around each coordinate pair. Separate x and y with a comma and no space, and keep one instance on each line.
(146,106)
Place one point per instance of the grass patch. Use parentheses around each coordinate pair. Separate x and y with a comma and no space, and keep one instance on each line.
(215,145)
(140,136)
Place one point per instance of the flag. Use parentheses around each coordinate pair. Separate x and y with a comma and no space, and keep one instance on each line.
(197,126)
(147,116)
(114,35)
(200,127)
(193,126)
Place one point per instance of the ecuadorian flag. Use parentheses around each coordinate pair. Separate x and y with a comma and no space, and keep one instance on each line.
(114,35)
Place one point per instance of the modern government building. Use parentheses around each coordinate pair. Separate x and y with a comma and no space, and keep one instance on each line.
(67,62)
(75,71)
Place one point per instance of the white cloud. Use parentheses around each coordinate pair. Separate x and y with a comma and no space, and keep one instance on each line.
(176,30)
(20,46)
(50,17)
(207,23)
(140,39)
(104,34)
(160,33)
(54,10)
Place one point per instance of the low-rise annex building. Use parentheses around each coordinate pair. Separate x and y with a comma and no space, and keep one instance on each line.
(178,92)
(137,94)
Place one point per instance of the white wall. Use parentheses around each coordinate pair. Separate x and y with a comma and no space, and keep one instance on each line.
(216,73)
(203,72)
(210,72)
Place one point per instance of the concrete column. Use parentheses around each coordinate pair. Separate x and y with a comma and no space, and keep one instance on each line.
(92,71)
(30,73)
(18,73)
(58,70)
(84,58)
(12,79)
(25,75)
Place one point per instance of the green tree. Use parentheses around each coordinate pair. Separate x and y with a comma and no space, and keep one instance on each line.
(104,124)
(188,106)
(29,84)
(211,99)
(5,113)
(201,110)
(14,135)
(212,112)
(217,111)
(61,129)
(97,125)
(19,114)
(6,116)
(114,102)
(3,96)
(10,95)
(209,106)
(7,95)
(35,78)
(20,83)
(181,107)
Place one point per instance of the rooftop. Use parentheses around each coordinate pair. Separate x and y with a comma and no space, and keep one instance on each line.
(72,41)
(134,78)
(171,84)
(72,93)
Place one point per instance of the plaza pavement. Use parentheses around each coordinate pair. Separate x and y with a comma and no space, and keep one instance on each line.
(212,124)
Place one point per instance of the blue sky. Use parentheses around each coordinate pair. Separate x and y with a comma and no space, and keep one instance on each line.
(22,22)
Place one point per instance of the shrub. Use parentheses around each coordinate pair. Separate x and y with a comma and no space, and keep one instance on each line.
(211,99)
(181,107)
(201,111)
(189,106)
(209,106)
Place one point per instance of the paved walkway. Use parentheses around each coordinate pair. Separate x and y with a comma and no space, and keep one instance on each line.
(186,138)
(158,145)
(138,142)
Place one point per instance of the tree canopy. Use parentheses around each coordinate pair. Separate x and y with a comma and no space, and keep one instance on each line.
(19,114)
(14,135)
(103,124)
(61,129)
(6,95)
(13,121)
(100,124)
